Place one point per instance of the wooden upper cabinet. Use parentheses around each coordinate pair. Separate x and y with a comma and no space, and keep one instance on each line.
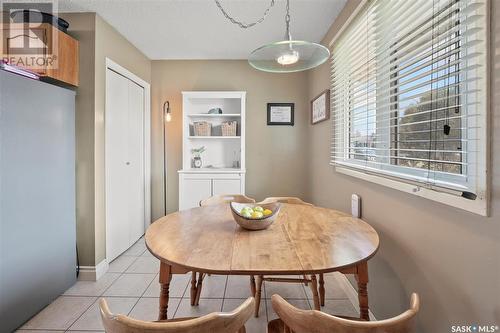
(43,49)
(67,69)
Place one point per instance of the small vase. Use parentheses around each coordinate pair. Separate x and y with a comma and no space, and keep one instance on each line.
(197,162)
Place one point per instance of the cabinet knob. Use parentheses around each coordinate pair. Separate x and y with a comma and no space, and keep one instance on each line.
(127,163)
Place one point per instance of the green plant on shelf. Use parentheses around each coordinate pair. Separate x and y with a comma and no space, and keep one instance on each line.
(198,151)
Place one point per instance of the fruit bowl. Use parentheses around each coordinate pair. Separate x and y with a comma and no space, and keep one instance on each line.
(255,223)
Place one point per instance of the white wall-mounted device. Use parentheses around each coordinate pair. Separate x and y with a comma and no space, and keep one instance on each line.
(356,205)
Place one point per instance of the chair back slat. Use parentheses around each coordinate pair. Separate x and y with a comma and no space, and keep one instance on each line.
(301,321)
(226,198)
(217,322)
(289,200)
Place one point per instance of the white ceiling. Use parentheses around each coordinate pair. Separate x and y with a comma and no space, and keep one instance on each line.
(196,29)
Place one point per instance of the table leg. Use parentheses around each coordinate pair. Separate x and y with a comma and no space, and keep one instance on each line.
(165,278)
(362,279)
(258,293)
(193,288)
(252,285)
(322,289)
(199,285)
(314,289)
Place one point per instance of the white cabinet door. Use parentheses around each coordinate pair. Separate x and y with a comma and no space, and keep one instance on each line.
(193,190)
(135,161)
(117,177)
(226,186)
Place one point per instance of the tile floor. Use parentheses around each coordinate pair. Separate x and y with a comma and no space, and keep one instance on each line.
(131,287)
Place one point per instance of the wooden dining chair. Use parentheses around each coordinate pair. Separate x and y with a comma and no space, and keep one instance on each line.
(226,198)
(289,200)
(293,320)
(256,283)
(217,322)
(197,277)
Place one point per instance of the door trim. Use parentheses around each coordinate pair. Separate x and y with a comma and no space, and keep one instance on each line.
(111,65)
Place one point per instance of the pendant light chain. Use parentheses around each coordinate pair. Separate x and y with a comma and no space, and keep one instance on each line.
(244,25)
(284,56)
(288,35)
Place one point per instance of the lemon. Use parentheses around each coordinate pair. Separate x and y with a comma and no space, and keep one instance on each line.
(267,212)
(257,215)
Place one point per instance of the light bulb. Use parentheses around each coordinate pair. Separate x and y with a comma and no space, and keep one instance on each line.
(168,117)
(288,58)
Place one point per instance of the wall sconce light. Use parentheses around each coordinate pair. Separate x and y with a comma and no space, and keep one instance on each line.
(167,113)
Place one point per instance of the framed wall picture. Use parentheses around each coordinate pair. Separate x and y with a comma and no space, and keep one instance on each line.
(280,114)
(320,107)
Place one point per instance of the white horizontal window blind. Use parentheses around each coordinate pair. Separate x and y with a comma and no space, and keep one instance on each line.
(409,94)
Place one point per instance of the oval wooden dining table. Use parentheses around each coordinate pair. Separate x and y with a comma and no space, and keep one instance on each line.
(304,240)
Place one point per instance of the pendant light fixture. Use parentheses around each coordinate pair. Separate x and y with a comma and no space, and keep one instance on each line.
(284,56)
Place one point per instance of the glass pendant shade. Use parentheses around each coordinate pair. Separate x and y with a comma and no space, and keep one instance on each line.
(288,56)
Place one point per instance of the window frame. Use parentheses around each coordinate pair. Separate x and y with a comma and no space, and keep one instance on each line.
(386,175)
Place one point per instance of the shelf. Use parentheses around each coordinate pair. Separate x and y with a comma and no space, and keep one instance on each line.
(216,174)
(206,115)
(214,137)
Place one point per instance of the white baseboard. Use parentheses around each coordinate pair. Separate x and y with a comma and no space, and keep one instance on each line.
(93,273)
(351,293)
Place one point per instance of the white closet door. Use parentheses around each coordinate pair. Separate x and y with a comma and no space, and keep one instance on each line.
(124,126)
(117,176)
(136,160)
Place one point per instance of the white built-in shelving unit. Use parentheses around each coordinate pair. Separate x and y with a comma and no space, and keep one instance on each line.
(223,162)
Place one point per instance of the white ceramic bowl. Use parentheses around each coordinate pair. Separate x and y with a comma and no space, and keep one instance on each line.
(255,224)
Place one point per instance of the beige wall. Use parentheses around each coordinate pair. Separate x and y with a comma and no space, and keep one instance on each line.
(275,155)
(98,40)
(83,29)
(449,256)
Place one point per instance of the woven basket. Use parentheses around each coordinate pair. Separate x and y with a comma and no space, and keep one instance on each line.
(228,128)
(202,128)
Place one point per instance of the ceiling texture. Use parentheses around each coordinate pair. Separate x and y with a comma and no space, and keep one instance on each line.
(196,29)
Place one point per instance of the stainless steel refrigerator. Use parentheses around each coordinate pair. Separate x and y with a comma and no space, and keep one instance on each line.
(37,196)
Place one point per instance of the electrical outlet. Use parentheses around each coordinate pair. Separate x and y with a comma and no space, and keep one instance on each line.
(356,206)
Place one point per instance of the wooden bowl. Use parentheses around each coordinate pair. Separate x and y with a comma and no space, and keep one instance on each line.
(255,224)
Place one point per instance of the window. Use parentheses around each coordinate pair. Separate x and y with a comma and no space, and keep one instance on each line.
(409,98)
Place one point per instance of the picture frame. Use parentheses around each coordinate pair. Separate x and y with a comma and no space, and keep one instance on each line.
(280,114)
(320,107)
